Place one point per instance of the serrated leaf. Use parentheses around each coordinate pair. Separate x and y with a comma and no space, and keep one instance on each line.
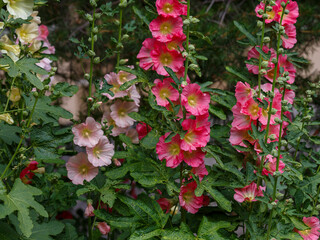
(182,233)
(44,231)
(210,229)
(108,196)
(9,134)
(146,233)
(150,141)
(65,89)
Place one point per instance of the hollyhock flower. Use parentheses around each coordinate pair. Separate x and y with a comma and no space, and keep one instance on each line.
(290,39)
(271,15)
(176,43)
(314,232)
(240,121)
(113,80)
(102,153)
(80,169)
(194,158)
(50,49)
(248,193)
(27,173)
(119,113)
(276,104)
(170,151)
(89,210)
(144,55)
(253,53)
(9,48)
(180,74)
(134,95)
(172,8)
(7,118)
(163,90)
(203,121)
(188,200)
(45,63)
(270,165)
(243,92)
(165,204)
(27,33)
(162,57)
(20,8)
(104,228)
(291,17)
(106,118)
(251,108)
(14,94)
(195,136)
(35,17)
(200,171)
(43,32)
(165,28)
(194,100)
(143,129)
(87,134)
(289,96)
(237,136)
(288,67)
(125,76)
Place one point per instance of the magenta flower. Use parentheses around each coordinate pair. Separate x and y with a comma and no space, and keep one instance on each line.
(143,129)
(43,32)
(290,39)
(170,151)
(270,165)
(200,171)
(165,204)
(240,121)
(314,232)
(248,193)
(188,200)
(104,228)
(237,136)
(291,17)
(251,108)
(194,158)
(163,90)
(165,28)
(271,15)
(102,153)
(243,92)
(287,66)
(253,53)
(87,134)
(144,55)
(80,169)
(119,113)
(171,8)
(194,100)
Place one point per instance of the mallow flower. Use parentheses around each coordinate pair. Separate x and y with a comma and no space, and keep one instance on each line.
(20,8)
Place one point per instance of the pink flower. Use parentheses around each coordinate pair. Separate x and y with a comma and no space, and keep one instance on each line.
(80,169)
(194,100)
(165,204)
(270,165)
(200,171)
(119,113)
(251,108)
(161,57)
(113,80)
(248,193)
(87,134)
(195,136)
(172,8)
(89,210)
(243,92)
(254,54)
(165,28)
(188,200)
(133,135)
(176,43)
(134,95)
(102,153)
(290,39)
(144,55)
(237,136)
(271,15)
(314,232)
(104,228)
(163,90)
(288,67)
(116,131)
(240,121)
(43,32)
(125,76)
(170,151)
(194,158)
(143,129)
(291,17)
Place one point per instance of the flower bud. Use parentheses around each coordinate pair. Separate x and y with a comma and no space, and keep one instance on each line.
(272,137)
(40,170)
(259,24)
(186,22)
(123,61)
(285,108)
(194,20)
(281,28)
(284,102)
(96,60)
(89,17)
(274,153)
(313,85)
(89,39)
(95,30)
(87,76)
(284,142)
(269,9)
(125,37)
(274,204)
(272,3)
(286,11)
(279,195)
(283,4)
(288,86)
(263,72)
(318,207)
(123,3)
(35,94)
(265,64)
(184,83)
(309,99)
(265,16)
(119,46)
(93,3)
(25,113)
(309,92)
(266,39)
(95,38)
(260,12)
(191,47)
(46,87)
(91,53)
(281,50)
(90,99)
(193,66)
(271,94)
(98,15)
(184,54)
(274,60)
(277,120)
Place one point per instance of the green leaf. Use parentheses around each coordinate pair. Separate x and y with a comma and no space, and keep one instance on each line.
(210,229)
(201,36)
(69,233)
(242,29)
(182,233)
(128,84)
(238,74)
(298,224)
(65,89)
(116,221)
(9,134)
(118,172)
(150,141)
(146,233)
(172,75)
(217,112)
(26,66)
(141,15)
(44,231)
(21,199)
(108,196)
(7,233)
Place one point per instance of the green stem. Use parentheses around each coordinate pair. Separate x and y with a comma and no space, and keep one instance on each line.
(119,38)
(7,103)
(20,142)
(183,211)
(91,60)
(186,64)
(90,229)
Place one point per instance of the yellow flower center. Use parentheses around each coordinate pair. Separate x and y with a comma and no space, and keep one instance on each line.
(123,77)
(86,133)
(83,169)
(166,28)
(271,14)
(166,59)
(167,8)
(254,109)
(172,45)
(121,112)
(187,196)
(174,149)
(96,152)
(164,93)
(192,100)
(189,137)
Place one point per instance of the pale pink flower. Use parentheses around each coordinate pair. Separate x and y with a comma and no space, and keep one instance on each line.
(290,39)
(291,17)
(162,57)
(143,129)
(80,169)
(165,28)
(243,92)
(171,8)
(248,193)
(51,49)
(102,153)
(163,90)
(314,232)
(104,228)
(200,171)
(170,151)
(188,200)
(116,131)
(194,158)
(43,32)
(119,113)
(133,135)
(240,121)
(194,100)
(89,210)
(113,80)
(134,95)
(87,134)
(144,55)
(270,165)
(271,15)
(125,76)
(251,108)
(254,54)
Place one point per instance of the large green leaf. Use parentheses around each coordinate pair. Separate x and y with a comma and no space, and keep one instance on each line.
(21,199)
(44,231)
(150,141)
(209,230)
(9,134)
(182,233)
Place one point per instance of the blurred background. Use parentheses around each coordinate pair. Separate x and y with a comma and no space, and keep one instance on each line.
(220,43)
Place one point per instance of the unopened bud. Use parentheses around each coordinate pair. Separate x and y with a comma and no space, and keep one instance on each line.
(89,17)
(95,38)
(119,46)
(193,66)
(98,15)
(309,92)
(25,113)
(191,47)
(279,195)
(265,64)
(95,30)
(266,39)
(281,50)
(54,69)
(123,61)
(96,60)
(259,23)
(125,37)
(284,143)
(298,165)
(274,204)
(263,72)
(35,94)
(90,99)
(274,60)
(283,4)
(93,3)
(272,137)
(194,20)
(286,11)
(318,207)
(186,22)
(269,9)
(274,111)
(91,53)
(281,28)
(184,54)
(277,120)
(117,162)
(116,22)
(123,3)
(309,99)
(265,16)
(87,76)
(46,87)
(274,153)
(40,170)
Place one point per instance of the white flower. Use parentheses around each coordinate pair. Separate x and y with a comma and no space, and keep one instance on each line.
(28,32)
(20,8)
(9,48)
